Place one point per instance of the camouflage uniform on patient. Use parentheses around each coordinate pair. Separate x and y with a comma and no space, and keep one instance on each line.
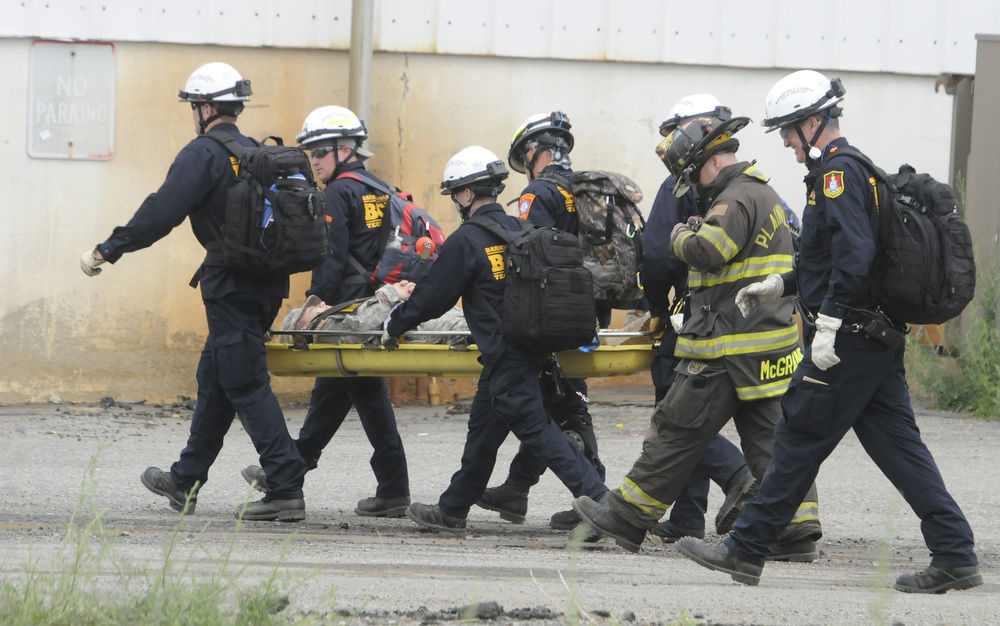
(368,314)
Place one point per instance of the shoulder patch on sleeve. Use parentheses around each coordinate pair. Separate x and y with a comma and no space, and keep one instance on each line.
(719,210)
(833,183)
(524,205)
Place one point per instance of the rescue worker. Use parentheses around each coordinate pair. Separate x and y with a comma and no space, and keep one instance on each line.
(232,372)
(540,150)
(334,137)
(662,272)
(847,380)
(730,367)
(508,397)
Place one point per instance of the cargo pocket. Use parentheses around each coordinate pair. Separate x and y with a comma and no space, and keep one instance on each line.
(810,408)
(240,361)
(692,398)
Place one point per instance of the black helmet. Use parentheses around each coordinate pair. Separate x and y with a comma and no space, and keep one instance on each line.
(550,131)
(694,141)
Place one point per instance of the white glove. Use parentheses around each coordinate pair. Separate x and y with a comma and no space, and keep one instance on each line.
(752,296)
(89,263)
(823,355)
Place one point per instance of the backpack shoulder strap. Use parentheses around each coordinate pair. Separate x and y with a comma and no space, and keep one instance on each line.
(495,228)
(228,141)
(558,179)
(366,177)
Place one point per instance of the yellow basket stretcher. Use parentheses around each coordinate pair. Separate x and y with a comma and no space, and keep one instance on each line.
(426,359)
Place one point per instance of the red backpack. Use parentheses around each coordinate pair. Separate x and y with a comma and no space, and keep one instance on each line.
(409,238)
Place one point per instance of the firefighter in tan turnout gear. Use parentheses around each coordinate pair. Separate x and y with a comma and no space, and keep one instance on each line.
(731,366)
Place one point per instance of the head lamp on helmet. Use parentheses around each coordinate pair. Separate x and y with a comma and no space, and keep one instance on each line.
(550,131)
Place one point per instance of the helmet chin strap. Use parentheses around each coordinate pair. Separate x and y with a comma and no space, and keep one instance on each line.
(338,163)
(812,153)
(202,122)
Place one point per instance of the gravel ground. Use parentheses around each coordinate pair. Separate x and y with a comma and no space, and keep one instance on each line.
(339,567)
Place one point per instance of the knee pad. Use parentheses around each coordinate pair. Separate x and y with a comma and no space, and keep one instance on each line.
(576,440)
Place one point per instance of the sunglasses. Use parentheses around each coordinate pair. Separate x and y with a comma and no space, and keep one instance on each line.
(319,153)
(786,131)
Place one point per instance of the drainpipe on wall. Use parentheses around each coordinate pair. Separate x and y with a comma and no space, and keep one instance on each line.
(359,90)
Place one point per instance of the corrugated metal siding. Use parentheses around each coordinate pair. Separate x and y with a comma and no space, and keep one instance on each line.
(902,36)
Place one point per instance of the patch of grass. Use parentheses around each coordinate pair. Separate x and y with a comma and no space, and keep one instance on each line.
(89,584)
(969,382)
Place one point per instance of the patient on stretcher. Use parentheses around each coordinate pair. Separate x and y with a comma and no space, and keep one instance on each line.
(366,314)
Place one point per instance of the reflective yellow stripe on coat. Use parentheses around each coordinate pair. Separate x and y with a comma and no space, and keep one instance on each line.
(754,267)
(729,345)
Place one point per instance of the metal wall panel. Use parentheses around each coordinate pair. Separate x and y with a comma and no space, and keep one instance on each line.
(925,37)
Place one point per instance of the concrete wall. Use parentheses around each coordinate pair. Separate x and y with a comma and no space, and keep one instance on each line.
(136,330)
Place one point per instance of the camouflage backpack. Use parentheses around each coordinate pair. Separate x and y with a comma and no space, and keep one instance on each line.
(610,232)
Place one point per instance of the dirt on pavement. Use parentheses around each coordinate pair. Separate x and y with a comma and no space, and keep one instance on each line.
(341,567)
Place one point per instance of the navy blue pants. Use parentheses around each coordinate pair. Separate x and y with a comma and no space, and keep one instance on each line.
(569,411)
(721,461)
(331,400)
(509,399)
(865,392)
(233,380)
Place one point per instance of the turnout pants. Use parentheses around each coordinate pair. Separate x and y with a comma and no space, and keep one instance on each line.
(331,400)
(233,380)
(508,399)
(697,406)
(865,392)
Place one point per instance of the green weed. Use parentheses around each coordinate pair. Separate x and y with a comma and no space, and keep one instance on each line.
(969,381)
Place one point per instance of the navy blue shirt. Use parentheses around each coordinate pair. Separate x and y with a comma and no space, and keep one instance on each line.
(661,269)
(356,212)
(839,234)
(544,203)
(195,188)
(469,266)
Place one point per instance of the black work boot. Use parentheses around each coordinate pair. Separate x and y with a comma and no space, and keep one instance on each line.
(267,509)
(565,520)
(162,483)
(255,476)
(741,488)
(382,507)
(600,517)
(719,559)
(794,552)
(669,532)
(940,579)
(510,503)
(431,516)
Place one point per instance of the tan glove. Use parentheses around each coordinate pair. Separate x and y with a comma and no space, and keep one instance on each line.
(89,263)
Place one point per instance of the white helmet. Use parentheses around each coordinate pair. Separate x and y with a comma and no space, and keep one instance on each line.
(474,167)
(800,95)
(215,82)
(688,106)
(331,124)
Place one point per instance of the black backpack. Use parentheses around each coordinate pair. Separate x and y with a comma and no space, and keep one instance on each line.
(610,232)
(275,221)
(925,272)
(548,298)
